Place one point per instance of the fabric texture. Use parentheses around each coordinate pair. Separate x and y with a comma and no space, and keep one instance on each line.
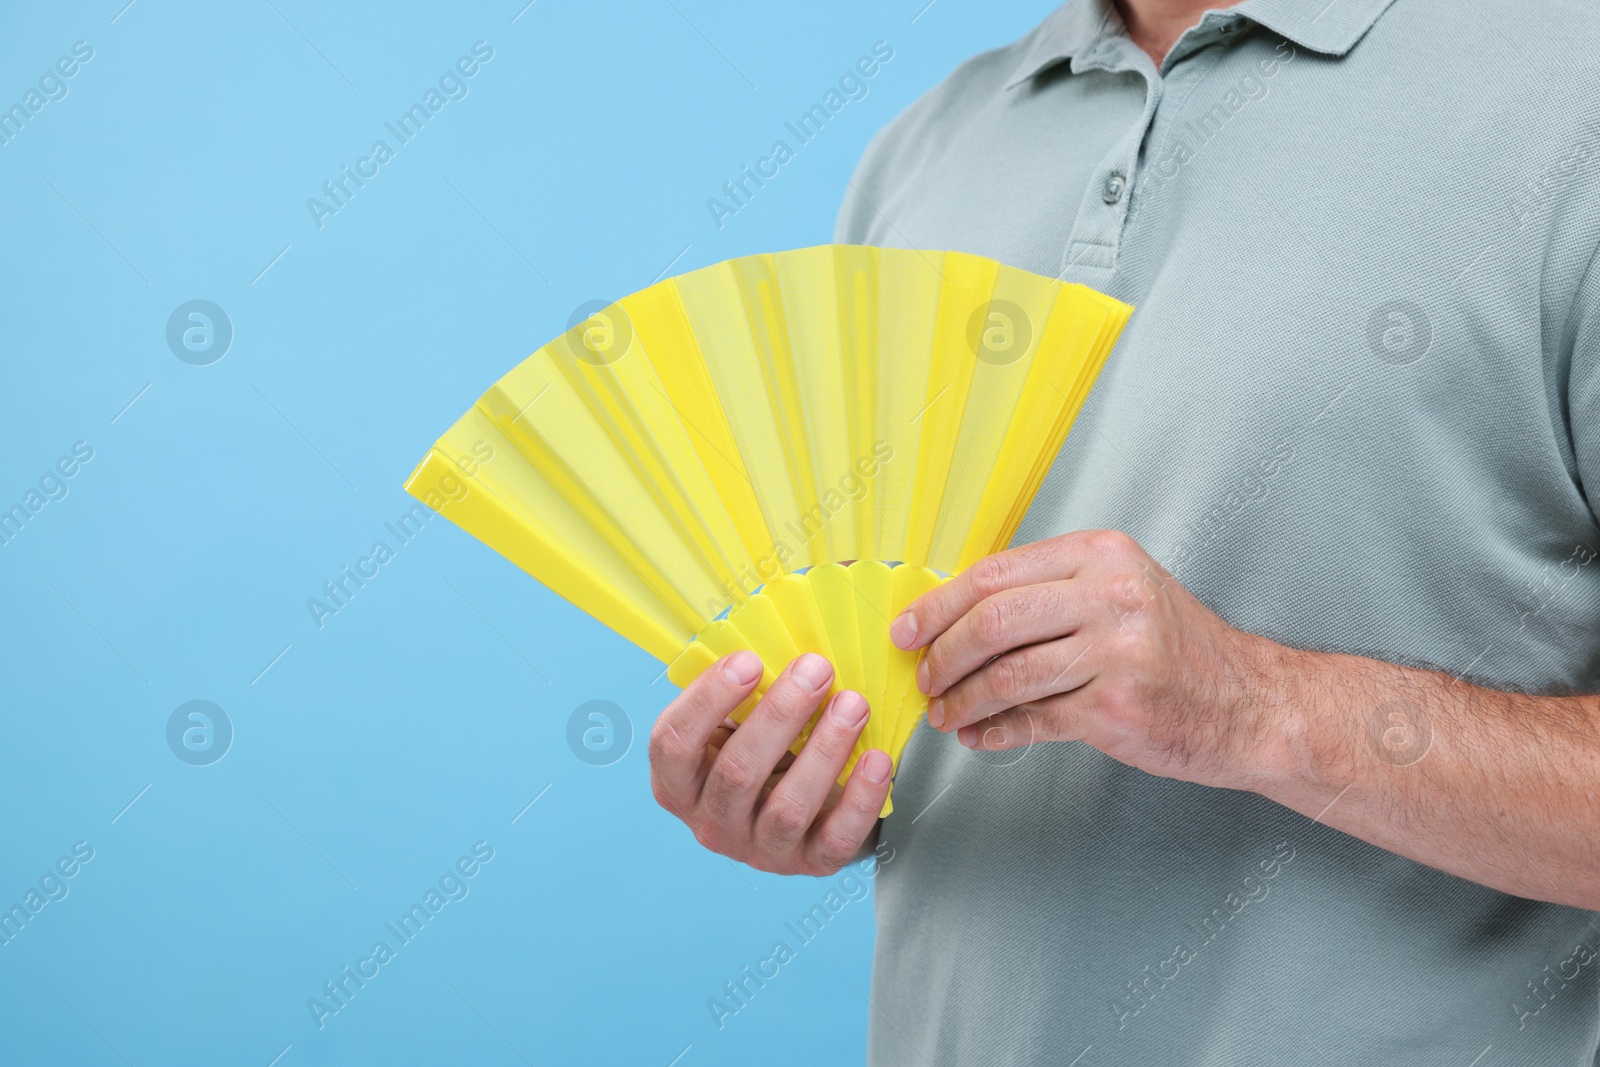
(1357,410)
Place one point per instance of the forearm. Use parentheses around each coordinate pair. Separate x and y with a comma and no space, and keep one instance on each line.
(1499,788)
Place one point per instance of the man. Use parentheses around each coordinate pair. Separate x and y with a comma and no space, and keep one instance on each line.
(1335,803)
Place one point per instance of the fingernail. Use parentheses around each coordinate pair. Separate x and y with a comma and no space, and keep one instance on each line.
(936,713)
(968,735)
(849,709)
(924,675)
(812,671)
(742,667)
(903,630)
(875,766)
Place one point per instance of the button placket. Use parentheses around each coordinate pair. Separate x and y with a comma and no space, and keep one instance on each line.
(1160,133)
(1091,253)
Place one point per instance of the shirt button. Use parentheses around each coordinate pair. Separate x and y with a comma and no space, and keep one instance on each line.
(1112,193)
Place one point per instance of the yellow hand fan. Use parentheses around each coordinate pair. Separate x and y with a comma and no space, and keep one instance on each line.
(696,464)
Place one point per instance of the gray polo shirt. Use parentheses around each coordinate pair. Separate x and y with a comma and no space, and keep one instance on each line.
(1356,411)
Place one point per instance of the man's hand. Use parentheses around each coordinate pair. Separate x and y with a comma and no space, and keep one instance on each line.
(739,789)
(1084,637)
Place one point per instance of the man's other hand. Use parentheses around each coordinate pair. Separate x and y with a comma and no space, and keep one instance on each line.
(741,791)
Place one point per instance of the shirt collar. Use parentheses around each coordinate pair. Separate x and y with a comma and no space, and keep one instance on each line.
(1331,27)
(1070,30)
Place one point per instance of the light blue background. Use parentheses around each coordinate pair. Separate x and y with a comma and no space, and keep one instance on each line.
(426,714)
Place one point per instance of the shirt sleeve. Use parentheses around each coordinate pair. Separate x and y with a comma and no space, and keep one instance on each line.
(1583,390)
